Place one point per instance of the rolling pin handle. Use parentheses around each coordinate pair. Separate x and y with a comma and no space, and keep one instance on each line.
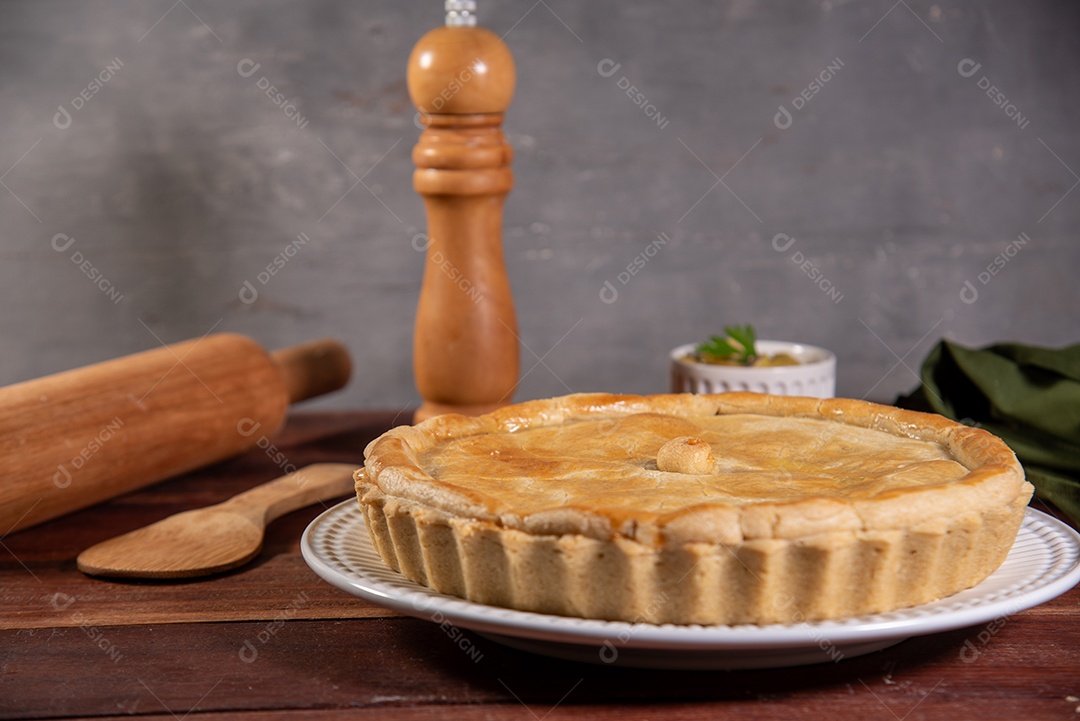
(313,369)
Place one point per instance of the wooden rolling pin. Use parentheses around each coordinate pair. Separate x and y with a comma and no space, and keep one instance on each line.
(77,438)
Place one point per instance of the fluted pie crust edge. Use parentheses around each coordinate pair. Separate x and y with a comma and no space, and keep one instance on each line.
(758,563)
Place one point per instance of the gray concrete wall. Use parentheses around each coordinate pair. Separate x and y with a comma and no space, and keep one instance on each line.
(146,176)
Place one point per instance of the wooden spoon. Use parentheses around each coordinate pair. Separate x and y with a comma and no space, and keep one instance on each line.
(216,538)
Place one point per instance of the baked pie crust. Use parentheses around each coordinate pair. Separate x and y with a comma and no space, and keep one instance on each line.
(710,509)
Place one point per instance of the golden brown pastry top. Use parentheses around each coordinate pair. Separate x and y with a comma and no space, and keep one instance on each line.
(711,468)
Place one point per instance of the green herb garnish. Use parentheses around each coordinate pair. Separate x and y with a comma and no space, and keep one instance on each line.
(736,347)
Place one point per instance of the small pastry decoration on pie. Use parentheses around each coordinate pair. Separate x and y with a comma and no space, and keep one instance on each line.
(693,509)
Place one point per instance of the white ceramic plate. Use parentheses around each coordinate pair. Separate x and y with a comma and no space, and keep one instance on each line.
(1043,564)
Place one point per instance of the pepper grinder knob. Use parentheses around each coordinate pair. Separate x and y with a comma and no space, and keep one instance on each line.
(465,343)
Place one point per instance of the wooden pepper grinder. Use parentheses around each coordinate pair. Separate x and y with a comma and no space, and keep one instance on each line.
(465,344)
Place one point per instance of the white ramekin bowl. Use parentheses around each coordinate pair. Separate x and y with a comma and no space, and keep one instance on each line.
(814,376)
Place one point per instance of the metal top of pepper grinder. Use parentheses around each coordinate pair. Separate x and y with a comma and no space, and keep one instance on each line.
(460,13)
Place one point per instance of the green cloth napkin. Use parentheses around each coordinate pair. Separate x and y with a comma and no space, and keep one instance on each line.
(1027,396)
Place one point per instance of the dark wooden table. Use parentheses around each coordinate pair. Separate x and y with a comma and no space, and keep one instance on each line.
(274,640)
